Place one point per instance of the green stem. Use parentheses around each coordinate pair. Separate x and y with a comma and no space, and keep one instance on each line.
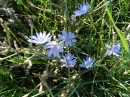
(48,89)
(1,59)
(69,75)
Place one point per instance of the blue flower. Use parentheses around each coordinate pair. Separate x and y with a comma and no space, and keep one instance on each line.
(53,49)
(67,38)
(87,63)
(68,59)
(114,50)
(82,9)
(40,38)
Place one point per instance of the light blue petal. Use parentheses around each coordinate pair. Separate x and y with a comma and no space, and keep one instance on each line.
(109,53)
(56,53)
(115,54)
(33,37)
(60,37)
(73,40)
(61,49)
(64,33)
(81,65)
(49,53)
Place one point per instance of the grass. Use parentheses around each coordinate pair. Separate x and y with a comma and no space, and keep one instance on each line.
(24,66)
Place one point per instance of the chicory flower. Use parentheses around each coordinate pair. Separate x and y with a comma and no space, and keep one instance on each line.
(67,38)
(114,50)
(82,9)
(87,63)
(68,60)
(54,49)
(40,38)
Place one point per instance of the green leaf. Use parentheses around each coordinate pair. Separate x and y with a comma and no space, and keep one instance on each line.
(4,72)
(18,1)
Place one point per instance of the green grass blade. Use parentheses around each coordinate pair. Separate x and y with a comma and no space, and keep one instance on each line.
(124,42)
